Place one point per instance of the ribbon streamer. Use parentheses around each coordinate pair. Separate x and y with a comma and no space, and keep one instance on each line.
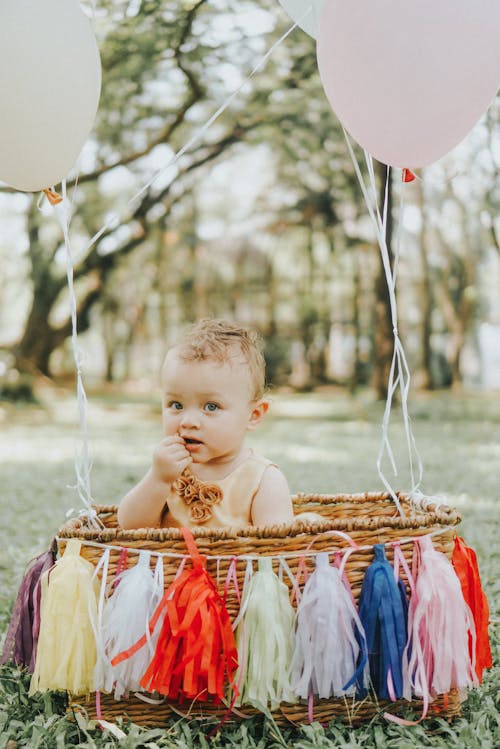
(82,462)
(399,375)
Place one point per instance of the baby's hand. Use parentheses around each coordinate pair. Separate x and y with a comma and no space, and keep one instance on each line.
(170,459)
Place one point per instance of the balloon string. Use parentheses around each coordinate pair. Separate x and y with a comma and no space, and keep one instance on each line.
(399,373)
(89,8)
(399,358)
(113,221)
(82,462)
(403,367)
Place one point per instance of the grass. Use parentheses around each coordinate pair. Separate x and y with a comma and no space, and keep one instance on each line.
(324,442)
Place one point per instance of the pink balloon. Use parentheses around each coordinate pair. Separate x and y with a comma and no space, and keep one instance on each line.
(409,79)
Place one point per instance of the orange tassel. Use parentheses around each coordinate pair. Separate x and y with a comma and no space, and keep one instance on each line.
(196,649)
(53,197)
(465,563)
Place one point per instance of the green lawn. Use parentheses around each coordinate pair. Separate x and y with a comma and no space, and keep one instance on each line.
(324,442)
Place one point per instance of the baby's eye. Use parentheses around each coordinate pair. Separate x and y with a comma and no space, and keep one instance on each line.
(211,406)
(175,405)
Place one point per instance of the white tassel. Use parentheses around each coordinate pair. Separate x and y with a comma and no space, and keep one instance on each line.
(125,620)
(326,648)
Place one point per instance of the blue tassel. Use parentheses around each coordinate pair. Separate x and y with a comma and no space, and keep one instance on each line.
(383,610)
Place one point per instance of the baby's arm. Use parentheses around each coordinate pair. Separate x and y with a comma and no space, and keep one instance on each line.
(272,503)
(143,506)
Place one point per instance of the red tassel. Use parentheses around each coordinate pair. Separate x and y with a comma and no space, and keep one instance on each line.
(196,648)
(465,563)
(408,175)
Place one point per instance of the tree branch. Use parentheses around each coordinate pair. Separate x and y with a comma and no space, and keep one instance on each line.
(495,237)
(60,334)
(95,261)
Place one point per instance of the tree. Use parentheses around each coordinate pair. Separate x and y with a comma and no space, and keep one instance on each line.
(425,294)
(383,335)
(138,116)
(167,66)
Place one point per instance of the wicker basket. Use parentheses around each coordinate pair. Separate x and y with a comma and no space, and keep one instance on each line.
(368,518)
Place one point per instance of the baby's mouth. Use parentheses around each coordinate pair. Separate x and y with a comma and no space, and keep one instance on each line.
(191,441)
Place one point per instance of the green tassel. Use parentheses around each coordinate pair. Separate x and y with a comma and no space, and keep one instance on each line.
(265,639)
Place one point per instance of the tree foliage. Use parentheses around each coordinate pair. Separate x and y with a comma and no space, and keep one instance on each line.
(306,262)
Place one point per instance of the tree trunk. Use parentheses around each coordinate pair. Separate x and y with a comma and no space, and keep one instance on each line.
(383,335)
(33,351)
(355,377)
(453,292)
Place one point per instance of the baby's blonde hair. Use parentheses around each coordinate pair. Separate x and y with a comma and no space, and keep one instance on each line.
(217,339)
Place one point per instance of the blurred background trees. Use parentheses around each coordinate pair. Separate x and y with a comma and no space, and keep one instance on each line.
(261,219)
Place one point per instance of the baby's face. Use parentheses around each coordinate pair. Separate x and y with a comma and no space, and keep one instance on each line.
(209,404)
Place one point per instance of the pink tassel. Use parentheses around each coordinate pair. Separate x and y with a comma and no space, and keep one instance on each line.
(440,623)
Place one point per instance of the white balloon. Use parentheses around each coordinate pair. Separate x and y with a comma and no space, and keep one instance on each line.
(305,13)
(409,79)
(50,81)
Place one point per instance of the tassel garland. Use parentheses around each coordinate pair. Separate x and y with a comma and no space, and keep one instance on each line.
(265,640)
(66,652)
(130,636)
(464,561)
(440,624)
(383,613)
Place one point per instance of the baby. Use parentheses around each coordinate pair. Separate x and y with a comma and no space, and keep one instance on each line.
(202,473)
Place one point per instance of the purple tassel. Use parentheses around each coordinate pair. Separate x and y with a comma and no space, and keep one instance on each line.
(22,636)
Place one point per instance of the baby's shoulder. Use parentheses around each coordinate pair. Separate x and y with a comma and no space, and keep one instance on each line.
(272,476)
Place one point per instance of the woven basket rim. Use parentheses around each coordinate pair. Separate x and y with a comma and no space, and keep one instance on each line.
(422,513)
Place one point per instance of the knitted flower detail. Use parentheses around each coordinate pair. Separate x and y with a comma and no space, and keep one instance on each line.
(186,489)
(198,496)
(211,494)
(199,512)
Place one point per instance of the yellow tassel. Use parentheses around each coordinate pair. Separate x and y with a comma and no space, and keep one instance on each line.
(66,652)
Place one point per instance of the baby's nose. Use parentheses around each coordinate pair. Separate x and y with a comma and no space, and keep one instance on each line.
(190,418)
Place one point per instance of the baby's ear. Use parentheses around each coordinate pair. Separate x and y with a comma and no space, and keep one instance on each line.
(259,410)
